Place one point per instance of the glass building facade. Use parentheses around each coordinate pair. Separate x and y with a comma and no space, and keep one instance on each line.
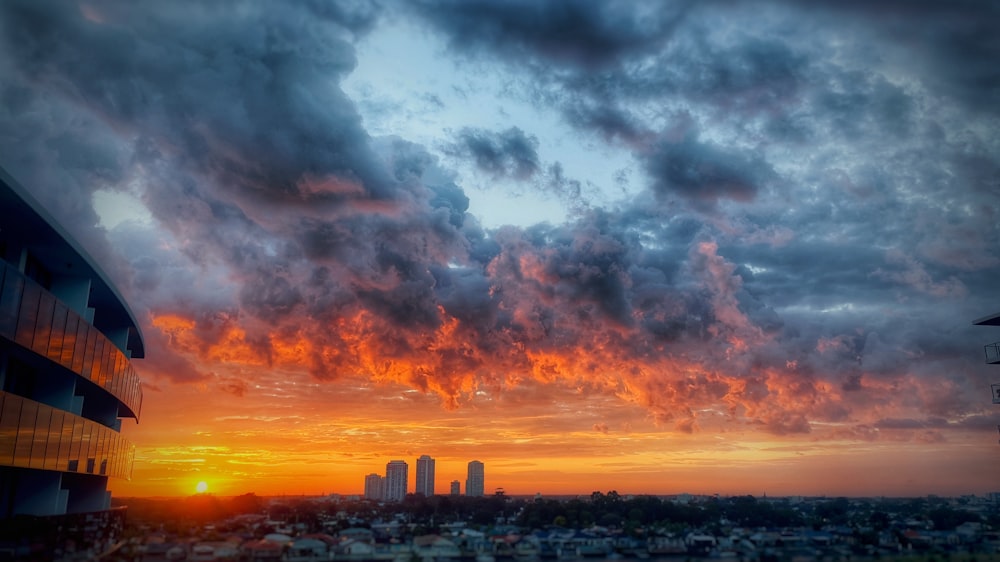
(67,341)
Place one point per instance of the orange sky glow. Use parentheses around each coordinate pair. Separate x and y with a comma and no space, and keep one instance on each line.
(677,247)
(290,433)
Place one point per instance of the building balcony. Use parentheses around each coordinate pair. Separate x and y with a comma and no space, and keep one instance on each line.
(38,436)
(35,319)
(993,353)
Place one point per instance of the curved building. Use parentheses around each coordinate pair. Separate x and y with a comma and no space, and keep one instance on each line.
(67,340)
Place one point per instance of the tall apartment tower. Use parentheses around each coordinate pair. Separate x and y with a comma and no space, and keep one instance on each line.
(456,488)
(425,476)
(396,475)
(67,341)
(375,487)
(475,481)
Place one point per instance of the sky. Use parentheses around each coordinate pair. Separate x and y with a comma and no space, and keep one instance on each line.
(651,247)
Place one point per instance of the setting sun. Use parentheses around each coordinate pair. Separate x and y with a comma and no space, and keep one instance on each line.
(201,488)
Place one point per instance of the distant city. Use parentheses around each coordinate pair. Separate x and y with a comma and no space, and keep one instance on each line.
(394,485)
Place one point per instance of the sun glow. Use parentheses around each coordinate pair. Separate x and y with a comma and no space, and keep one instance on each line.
(202,487)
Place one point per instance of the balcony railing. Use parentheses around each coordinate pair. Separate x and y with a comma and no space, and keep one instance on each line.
(993,353)
(36,435)
(35,319)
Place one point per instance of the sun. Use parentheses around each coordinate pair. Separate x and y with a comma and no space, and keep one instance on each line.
(202,487)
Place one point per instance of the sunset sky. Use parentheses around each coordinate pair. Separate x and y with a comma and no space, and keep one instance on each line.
(655,247)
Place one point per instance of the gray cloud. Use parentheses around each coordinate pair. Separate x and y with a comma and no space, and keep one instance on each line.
(812,236)
(510,153)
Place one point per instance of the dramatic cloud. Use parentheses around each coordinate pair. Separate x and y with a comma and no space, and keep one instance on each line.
(781,229)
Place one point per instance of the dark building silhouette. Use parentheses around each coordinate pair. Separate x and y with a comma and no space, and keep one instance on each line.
(992,351)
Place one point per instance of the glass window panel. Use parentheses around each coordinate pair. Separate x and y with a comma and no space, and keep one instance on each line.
(122,467)
(54,438)
(120,456)
(99,359)
(120,363)
(85,443)
(89,351)
(41,438)
(116,385)
(10,416)
(113,456)
(69,340)
(128,373)
(95,435)
(25,433)
(43,323)
(65,439)
(77,441)
(129,461)
(106,364)
(81,343)
(10,301)
(58,331)
(102,447)
(27,314)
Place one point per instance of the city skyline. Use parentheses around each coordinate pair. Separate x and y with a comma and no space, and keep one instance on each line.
(394,485)
(727,248)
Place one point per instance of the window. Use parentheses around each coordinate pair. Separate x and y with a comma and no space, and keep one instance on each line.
(10,416)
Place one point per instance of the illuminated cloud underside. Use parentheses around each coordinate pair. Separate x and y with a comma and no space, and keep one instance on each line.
(578,241)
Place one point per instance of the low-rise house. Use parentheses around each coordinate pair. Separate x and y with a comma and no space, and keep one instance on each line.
(305,549)
(263,550)
(668,544)
(353,549)
(435,547)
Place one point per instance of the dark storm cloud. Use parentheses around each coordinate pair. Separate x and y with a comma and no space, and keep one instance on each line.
(705,172)
(569,32)
(803,219)
(510,153)
(230,95)
(612,123)
(956,54)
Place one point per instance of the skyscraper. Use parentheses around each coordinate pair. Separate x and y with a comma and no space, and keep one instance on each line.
(425,476)
(456,488)
(476,479)
(396,475)
(375,487)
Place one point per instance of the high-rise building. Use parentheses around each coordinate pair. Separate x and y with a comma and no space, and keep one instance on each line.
(375,487)
(456,488)
(425,476)
(476,479)
(67,340)
(396,475)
